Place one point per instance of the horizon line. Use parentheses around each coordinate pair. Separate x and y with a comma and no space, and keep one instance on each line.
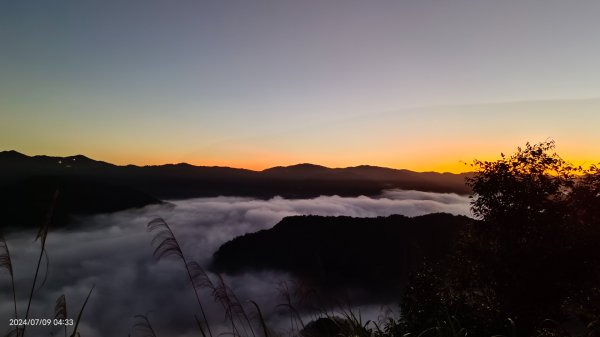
(230,167)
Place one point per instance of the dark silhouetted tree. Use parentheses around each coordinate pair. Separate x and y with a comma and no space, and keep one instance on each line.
(531,255)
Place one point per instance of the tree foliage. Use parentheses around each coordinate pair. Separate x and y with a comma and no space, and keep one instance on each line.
(530,185)
(532,255)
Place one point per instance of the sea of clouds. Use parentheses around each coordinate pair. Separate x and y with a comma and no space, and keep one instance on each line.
(114,253)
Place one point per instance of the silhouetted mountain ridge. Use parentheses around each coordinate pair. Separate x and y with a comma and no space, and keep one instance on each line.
(184,180)
(334,252)
(93,183)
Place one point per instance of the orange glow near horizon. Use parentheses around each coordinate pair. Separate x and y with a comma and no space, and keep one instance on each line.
(447,163)
(442,139)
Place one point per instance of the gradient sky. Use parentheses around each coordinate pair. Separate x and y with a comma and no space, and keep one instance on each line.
(418,84)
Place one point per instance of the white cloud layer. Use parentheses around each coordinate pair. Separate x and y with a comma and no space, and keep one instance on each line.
(113,252)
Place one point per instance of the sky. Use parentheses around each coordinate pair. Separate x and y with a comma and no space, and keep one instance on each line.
(417,84)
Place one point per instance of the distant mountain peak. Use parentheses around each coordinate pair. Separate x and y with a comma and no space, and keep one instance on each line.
(12,153)
(302,166)
(79,157)
(307,166)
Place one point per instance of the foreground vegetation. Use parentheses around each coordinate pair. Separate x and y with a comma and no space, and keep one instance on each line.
(532,259)
(16,326)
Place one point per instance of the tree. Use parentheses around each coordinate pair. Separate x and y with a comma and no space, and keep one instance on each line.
(531,256)
(531,185)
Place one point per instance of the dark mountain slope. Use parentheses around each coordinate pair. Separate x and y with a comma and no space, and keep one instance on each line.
(332,252)
(186,181)
(26,203)
(89,186)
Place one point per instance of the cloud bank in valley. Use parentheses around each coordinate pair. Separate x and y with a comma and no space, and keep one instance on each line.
(113,251)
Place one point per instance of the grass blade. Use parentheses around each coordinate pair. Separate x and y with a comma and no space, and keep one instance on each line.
(41,235)
(144,325)
(75,332)
(6,263)
(60,310)
(167,245)
(261,318)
